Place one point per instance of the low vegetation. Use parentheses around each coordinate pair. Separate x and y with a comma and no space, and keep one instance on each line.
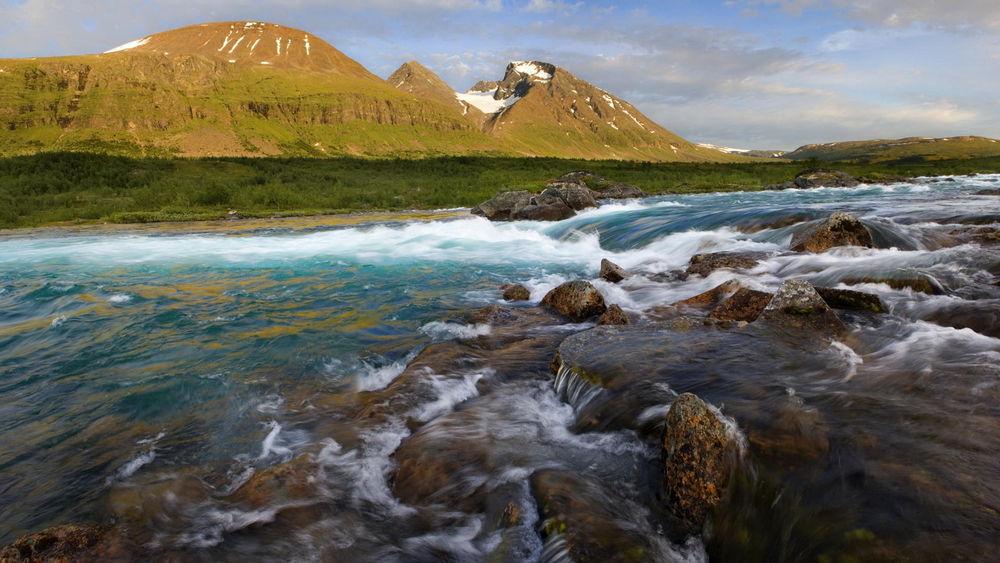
(51,188)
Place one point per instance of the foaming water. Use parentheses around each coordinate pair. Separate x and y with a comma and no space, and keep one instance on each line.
(256,385)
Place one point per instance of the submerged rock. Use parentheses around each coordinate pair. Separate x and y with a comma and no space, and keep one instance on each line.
(576,512)
(579,300)
(851,300)
(840,229)
(699,455)
(613,272)
(515,292)
(922,283)
(744,305)
(704,264)
(71,542)
(988,192)
(614,316)
(799,307)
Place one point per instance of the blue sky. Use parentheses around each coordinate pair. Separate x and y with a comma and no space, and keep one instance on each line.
(742,73)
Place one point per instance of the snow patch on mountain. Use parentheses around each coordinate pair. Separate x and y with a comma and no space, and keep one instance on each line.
(531,69)
(129,45)
(728,150)
(486,102)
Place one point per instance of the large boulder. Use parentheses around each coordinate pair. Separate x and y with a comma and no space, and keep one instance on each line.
(744,305)
(699,456)
(579,300)
(575,196)
(535,210)
(839,229)
(704,264)
(499,208)
(798,307)
(825,178)
(613,272)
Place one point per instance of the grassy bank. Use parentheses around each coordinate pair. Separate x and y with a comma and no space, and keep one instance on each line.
(78,187)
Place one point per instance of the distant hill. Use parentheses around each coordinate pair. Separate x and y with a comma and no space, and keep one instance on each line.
(755,153)
(223,89)
(907,149)
(539,109)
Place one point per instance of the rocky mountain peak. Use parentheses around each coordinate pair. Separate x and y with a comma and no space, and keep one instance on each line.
(249,43)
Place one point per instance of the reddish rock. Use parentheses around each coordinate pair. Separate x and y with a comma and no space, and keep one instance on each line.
(614,316)
(711,297)
(745,305)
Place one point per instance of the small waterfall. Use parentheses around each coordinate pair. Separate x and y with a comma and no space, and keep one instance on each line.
(575,390)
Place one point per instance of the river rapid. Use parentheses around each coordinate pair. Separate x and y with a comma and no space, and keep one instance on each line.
(304,391)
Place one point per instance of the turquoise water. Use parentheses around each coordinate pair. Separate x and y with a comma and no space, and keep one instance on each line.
(128,359)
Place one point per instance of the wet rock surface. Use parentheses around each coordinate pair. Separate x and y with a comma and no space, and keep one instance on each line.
(840,229)
(798,307)
(613,272)
(614,316)
(704,264)
(699,454)
(515,292)
(579,300)
(500,207)
(59,544)
(744,305)
(851,300)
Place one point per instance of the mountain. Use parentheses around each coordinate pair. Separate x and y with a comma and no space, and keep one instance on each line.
(223,89)
(907,149)
(755,153)
(539,109)
(414,78)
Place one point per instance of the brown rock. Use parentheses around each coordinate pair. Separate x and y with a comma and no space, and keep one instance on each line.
(699,456)
(499,207)
(922,283)
(840,229)
(850,299)
(515,292)
(618,190)
(576,196)
(613,272)
(704,264)
(711,297)
(745,305)
(71,542)
(579,300)
(797,306)
(556,211)
(614,316)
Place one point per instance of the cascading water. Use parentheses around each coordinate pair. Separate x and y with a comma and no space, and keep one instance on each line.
(322,394)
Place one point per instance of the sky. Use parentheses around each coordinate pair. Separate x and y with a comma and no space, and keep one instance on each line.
(761,74)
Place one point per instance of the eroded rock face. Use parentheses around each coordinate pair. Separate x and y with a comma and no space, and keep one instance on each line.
(798,307)
(71,542)
(613,272)
(614,316)
(840,229)
(579,300)
(515,292)
(704,264)
(744,305)
(699,456)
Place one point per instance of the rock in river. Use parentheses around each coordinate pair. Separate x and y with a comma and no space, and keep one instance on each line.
(613,272)
(614,316)
(579,300)
(840,229)
(704,264)
(745,305)
(798,307)
(500,207)
(699,454)
(515,292)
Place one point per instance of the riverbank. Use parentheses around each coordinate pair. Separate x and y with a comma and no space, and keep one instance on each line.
(77,188)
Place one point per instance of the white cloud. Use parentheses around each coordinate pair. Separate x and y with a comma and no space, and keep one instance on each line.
(952,14)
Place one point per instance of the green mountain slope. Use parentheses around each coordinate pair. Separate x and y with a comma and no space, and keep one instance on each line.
(225,89)
(908,149)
